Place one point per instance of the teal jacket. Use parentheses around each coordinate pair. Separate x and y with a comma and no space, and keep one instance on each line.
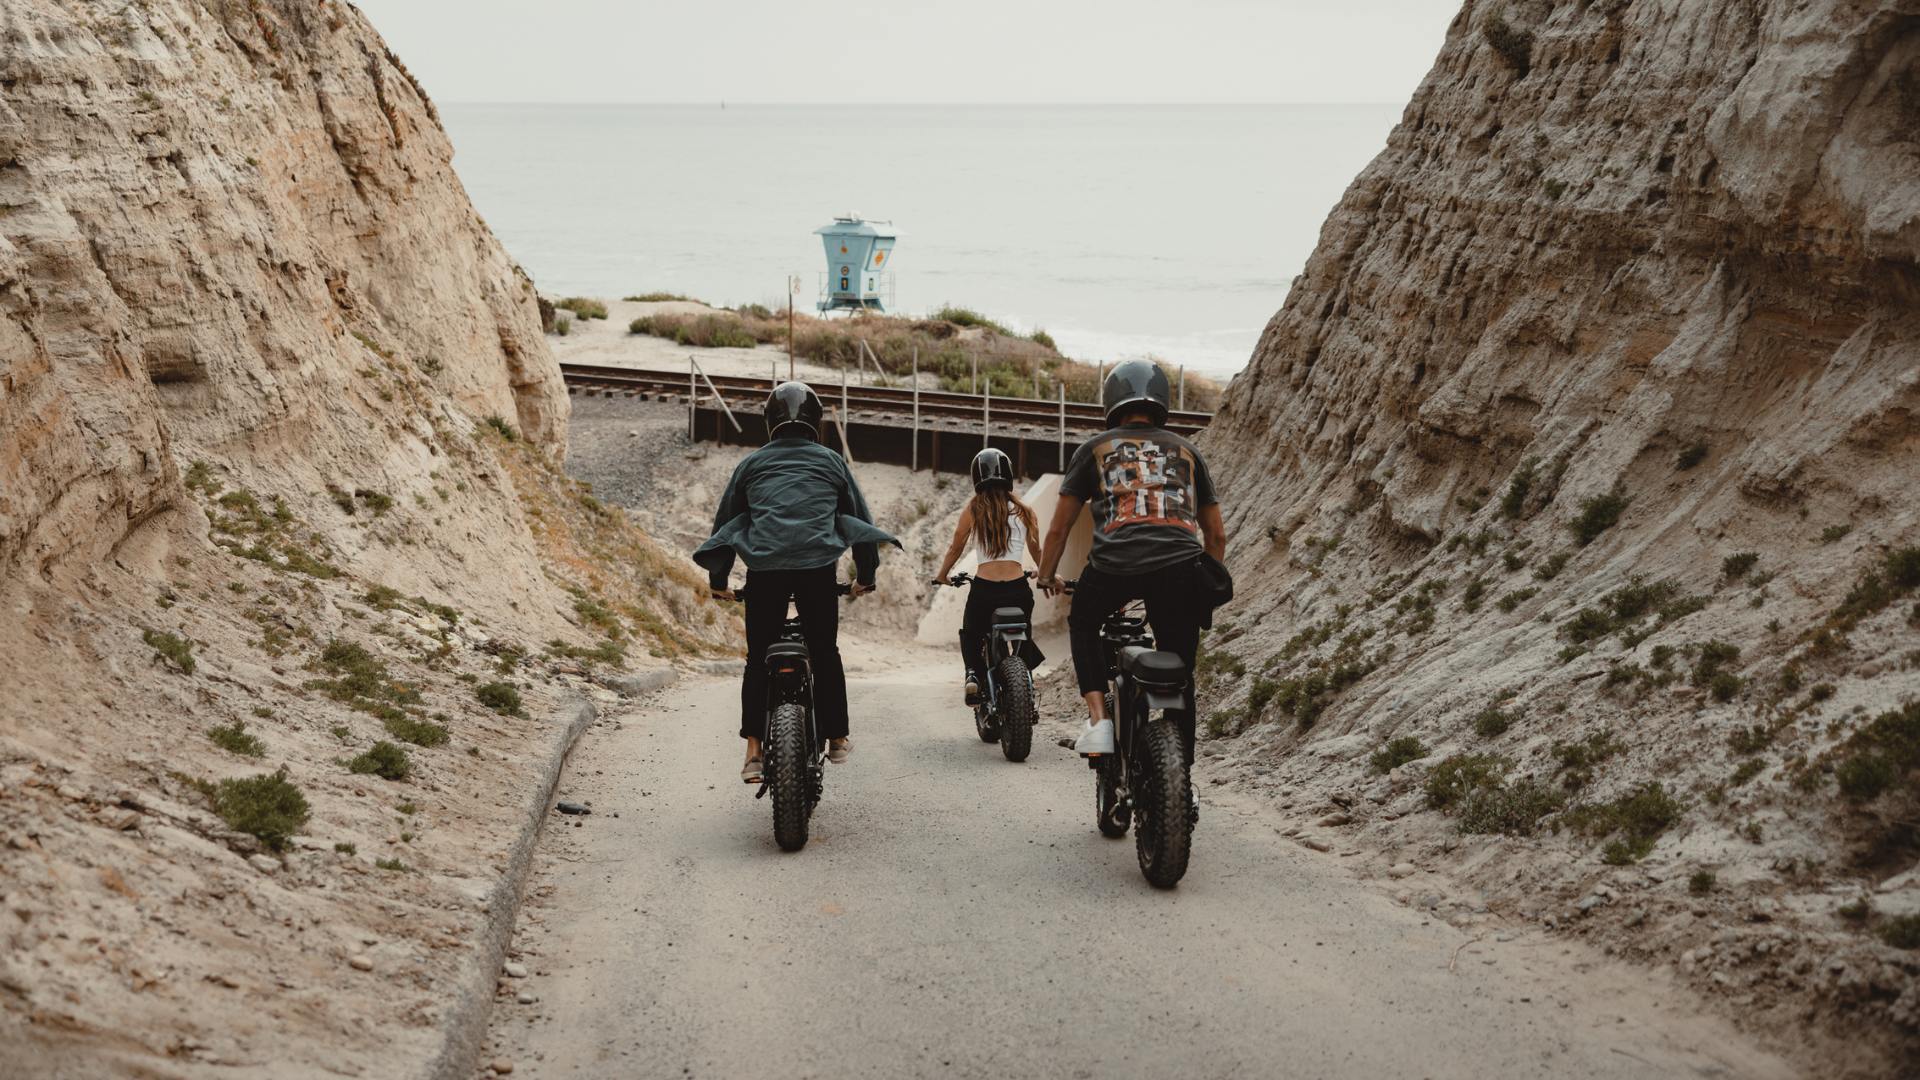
(791,505)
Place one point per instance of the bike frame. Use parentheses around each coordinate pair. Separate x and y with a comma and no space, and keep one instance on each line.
(1131,701)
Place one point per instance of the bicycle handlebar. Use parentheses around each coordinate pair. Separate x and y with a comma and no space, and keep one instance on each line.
(962,579)
(844,588)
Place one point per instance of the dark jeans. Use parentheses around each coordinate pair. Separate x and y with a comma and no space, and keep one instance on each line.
(1174,610)
(817,599)
(977,625)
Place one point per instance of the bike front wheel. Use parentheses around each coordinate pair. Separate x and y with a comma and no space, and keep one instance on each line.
(1016,709)
(787,768)
(1162,791)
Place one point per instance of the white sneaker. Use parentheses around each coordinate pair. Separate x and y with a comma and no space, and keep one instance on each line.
(1097,739)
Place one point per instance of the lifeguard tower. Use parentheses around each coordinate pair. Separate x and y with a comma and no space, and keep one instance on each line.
(857,276)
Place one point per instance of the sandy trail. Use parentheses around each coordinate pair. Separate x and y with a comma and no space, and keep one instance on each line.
(958,915)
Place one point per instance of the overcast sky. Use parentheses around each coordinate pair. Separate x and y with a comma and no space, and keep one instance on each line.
(912,51)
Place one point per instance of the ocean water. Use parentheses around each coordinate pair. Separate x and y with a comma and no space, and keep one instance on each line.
(1170,231)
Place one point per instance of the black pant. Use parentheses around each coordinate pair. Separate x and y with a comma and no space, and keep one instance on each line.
(816,597)
(977,625)
(1174,610)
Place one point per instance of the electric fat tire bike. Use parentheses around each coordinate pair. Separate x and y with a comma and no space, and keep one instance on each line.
(1004,712)
(1145,783)
(793,755)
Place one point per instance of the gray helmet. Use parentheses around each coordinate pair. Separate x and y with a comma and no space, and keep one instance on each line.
(793,403)
(992,466)
(1137,384)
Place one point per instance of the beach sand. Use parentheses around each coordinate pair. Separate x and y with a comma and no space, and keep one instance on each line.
(608,342)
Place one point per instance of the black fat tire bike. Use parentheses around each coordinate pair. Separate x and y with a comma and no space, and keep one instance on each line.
(793,755)
(1145,784)
(1005,712)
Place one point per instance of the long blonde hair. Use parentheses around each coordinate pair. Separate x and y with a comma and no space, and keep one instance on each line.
(990,507)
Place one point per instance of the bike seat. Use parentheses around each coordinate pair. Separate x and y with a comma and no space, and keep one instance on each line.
(1154,667)
(787,650)
(1009,615)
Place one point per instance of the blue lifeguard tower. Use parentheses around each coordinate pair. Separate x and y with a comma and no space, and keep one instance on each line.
(857,276)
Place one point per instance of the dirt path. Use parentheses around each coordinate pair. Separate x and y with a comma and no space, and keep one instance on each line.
(958,915)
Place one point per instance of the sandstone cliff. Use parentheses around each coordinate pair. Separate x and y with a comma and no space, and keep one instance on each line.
(293,583)
(1585,455)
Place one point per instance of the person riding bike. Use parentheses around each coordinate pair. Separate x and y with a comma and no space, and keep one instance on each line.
(1002,528)
(1156,523)
(789,512)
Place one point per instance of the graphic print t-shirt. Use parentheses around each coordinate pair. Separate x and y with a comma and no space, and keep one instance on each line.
(1145,487)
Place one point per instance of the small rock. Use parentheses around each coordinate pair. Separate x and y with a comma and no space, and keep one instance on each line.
(525,997)
(1589,902)
(515,969)
(572,808)
(124,820)
(266,864)
(1314,843)
(1400,870)
(1639,916)
(69,793)
(360,963)
(501,1066)
(1336,819)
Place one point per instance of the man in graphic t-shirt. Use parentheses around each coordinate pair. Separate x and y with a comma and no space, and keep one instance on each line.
(1154,515)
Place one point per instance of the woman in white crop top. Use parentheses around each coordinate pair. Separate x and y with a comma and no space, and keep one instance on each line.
(1003,529)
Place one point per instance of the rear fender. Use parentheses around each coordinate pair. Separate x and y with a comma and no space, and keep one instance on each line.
(1163,699)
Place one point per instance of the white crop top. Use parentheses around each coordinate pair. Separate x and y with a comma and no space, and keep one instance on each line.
(1016,539)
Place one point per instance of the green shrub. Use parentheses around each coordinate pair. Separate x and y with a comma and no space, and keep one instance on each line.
(383,759)
(1708,661)
(968,317)
(1597,515)
(1701,882)
(1515,598)
(415,731)
(1492,722)
(267,807)
(1471,597)
(1396,753)
(658,298)
(501,697)
(1637,819)
(236,739)
(500,427)
(1513,46)
(1834,532)
(1880,753)
(1901,932)
(172,648)
(563,324)
(1513,809)
(1451,781)
(1555,563)
(390,864)
(1513,504)
(1043,339)
(1724,686)
(1735,567)
(583,307)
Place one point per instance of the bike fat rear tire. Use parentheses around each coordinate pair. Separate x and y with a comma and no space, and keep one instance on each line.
(1161,785)
(786,764)
(1016,709)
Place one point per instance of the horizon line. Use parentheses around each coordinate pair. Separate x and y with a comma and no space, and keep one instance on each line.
(714,103)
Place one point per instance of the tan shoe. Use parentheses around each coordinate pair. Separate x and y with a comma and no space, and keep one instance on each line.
(838,749)
(751,772)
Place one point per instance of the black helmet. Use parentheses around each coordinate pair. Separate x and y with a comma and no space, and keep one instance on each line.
(992,466)
(1136,383)
(793,403)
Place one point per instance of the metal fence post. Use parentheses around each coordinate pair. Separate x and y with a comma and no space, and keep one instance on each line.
(1062,466)
(976,376)
(986,417)
(915,465)
(1183,388)
(693,397)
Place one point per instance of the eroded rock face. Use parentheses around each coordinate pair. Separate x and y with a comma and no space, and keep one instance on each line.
(1699,223)
(231,230)
(1655,268)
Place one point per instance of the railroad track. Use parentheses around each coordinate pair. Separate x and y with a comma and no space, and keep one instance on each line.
(935,405)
